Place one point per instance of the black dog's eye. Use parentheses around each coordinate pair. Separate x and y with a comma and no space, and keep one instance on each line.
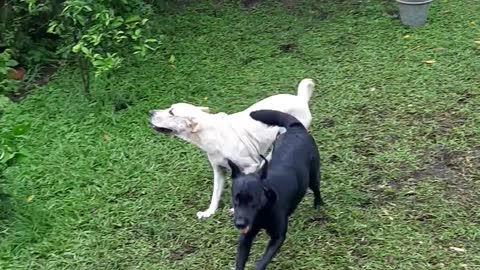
(171,112)
(244,198)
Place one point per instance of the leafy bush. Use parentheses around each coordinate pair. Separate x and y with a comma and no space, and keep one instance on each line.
(6,64)
(8,145)
(98,34)
(23,29)
(101,33)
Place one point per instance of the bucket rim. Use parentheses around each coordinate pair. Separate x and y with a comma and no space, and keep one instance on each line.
(414,3)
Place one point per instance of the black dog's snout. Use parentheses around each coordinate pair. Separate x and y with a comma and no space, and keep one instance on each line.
(151,113)
(241,223)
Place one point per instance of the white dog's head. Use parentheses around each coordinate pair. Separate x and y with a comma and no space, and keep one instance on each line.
(179,119)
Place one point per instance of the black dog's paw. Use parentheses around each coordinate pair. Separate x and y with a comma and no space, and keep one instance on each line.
(317,202)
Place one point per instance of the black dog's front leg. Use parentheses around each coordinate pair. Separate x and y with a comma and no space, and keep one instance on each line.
(243,251)
(273,246)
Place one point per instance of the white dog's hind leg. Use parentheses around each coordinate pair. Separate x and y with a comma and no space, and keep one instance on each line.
(218,184)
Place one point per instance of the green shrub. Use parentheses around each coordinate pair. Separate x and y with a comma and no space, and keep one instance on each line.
(9,150)
(100,33)
(6,64)
(23,29)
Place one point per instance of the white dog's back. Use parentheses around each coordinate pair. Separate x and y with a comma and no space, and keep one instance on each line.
(296,105)
(257,137)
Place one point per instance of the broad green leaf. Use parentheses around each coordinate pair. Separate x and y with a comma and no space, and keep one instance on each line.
(76,48)
(12,63)
(117,24)
(5,156)
(85,50)
(52,28)
(133,18)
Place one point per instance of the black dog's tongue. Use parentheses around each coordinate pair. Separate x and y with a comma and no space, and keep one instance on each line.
(245,230)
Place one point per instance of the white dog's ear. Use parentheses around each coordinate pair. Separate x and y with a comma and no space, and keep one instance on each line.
(205,109)
(194,126)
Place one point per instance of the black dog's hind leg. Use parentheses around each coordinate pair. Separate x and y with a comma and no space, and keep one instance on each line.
(276,241)
(314,183)
(244,245)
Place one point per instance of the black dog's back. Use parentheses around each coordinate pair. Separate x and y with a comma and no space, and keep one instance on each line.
(295,157)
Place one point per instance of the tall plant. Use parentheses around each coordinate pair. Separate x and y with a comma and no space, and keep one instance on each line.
(23,26)
(100,33)
(7,85)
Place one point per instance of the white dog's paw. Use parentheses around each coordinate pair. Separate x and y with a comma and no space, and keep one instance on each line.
(205,214)
(231,211)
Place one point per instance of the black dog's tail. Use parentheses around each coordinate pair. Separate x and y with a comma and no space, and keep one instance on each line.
(276,118)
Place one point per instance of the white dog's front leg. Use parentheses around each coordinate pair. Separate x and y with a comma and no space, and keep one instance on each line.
(218,184)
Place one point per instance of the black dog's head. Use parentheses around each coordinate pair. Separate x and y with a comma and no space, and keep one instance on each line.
(249,195)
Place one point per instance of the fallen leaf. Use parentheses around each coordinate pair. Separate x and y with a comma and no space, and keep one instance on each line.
(30,198)
(429,62)
(458,249)
(106,137)
(389,259)
(410,192)
(385,211)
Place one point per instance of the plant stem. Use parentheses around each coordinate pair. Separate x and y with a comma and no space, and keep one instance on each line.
(85,73)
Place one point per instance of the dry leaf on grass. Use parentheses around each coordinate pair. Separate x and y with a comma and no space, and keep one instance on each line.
(477,42)
(389,259)
(458,249)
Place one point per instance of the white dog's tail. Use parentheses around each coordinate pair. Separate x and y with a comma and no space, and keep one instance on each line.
(305,89)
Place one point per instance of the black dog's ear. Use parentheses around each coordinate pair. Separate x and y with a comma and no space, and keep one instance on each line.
(270,194)
(264,169)
(235,170)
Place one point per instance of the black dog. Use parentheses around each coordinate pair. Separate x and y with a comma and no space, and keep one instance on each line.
(267,198)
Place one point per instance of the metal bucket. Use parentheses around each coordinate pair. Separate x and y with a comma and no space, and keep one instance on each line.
(414,13)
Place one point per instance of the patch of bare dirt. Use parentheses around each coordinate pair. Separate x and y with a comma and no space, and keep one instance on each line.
(458,172)
(179,254)
(43,77)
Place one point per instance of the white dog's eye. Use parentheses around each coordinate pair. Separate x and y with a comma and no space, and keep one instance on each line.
(171,112)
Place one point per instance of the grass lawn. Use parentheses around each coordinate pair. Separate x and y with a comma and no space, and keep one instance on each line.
(399,139)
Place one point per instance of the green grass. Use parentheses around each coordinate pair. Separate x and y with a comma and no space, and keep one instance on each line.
(399,139)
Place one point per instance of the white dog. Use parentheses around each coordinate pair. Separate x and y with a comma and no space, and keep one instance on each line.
(236,136)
